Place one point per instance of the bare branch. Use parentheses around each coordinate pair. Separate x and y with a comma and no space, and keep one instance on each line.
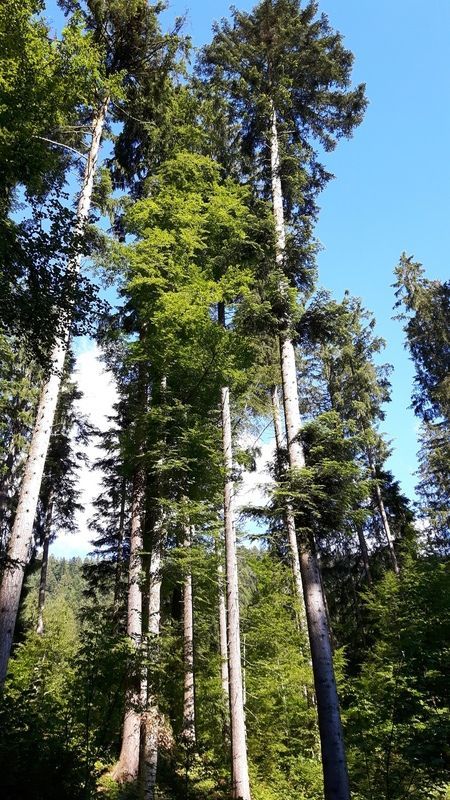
(60,144)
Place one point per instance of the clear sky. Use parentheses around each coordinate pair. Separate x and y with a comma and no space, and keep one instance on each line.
(391,187)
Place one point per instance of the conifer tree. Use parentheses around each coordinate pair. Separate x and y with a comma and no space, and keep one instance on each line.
(59,498)
(342,336)
(424,306)
(115,62)
(287,77)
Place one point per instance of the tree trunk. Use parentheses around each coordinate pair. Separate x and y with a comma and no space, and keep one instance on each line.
(336,785)
(383,516)
(44,567)
(152,722)
(223,635)
(239,765)
(364,553)
(188,732)
(289,514)
(22,532)
(127,768)
(119,549)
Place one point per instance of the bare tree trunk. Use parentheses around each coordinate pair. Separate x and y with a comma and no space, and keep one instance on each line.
(127,768)
(336,785)
(223,635)
(22,532)
(383,516)
(289,514)
(239,764)
(364,553)
(152,718)
(188,732)
(44,567)
(119,550)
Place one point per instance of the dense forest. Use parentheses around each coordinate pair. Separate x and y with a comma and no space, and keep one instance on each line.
(163,201)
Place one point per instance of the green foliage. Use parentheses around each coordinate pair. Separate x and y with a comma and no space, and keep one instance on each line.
(282,734)
(398,716)
(425,309)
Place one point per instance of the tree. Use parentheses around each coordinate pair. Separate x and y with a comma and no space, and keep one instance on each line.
(58,500)
(112,68)
(287,77)
(397,723)
(342,339)
(44,86)
(424,306)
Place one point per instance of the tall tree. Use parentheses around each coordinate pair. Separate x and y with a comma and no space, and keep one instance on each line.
(343,342)
(119,61)
(288,79)
(59,497)
(45,84)
(424,306)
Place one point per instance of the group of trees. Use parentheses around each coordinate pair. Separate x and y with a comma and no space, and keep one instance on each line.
(175,661)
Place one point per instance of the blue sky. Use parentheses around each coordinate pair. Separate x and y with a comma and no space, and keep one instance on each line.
(391,190)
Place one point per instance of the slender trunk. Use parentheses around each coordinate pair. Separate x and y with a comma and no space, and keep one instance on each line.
(44,567)
(127,768)
(289,514)
(152,724)
(336,786)
(22,532)
(239,764)
(384,518)
(223,636)
(119,550)
(364,553)
(188,732)
(151,732)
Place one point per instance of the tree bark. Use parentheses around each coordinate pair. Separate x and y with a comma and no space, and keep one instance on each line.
(364,553)
(289,513)
(119,549)
(152,723)
(22,532)
(223,647)
(127,768)
(188,732)
(336,785)
(44,567)
(384,518)
(239,763)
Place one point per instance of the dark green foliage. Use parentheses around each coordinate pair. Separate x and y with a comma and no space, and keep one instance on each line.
(425,309)
(285,58)
(398,722)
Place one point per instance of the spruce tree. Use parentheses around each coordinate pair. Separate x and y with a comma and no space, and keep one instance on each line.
(424,307)
(287,77)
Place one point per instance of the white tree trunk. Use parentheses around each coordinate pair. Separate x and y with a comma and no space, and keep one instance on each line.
(22,532)
(188,732)
(223,635)
(127,768)
(336,785)
(383,516)
(152,721)
(239,764)
(289,514)
(44,567)
(119,549)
